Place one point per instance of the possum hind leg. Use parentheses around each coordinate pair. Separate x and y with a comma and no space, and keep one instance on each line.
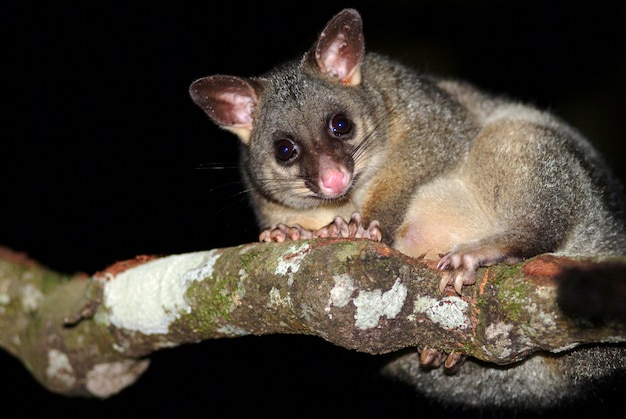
(525,174)
(442,215)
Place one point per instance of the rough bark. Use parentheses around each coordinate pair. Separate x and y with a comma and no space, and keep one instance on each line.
(81,335)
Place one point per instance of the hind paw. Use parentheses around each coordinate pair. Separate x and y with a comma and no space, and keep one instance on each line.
(432,358)
(459,265)
(459,269)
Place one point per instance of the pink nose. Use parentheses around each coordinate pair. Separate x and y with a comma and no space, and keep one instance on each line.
(334,182)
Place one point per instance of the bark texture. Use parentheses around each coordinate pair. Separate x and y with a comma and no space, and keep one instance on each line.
(90,335)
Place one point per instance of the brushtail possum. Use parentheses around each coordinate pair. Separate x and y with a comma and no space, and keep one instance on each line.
(353,144)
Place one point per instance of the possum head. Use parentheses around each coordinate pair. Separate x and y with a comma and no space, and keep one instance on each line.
(306,128)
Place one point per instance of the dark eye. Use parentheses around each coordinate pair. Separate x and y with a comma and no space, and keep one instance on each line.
(285,149)
(340,125)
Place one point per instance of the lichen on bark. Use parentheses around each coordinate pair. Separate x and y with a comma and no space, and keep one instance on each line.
(357,294)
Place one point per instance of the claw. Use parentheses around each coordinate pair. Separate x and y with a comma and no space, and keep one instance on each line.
(278,238)
(281,232)
(459,270)
(431,358)
(445,279)
(338,228)
(458,283)
(355,227)
(294,233)
(453,361)
(322,232)
(374,232)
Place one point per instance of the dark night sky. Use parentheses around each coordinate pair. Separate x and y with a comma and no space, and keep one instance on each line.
(105,157)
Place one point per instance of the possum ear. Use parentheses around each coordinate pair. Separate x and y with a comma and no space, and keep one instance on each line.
(229,101)
(340,47)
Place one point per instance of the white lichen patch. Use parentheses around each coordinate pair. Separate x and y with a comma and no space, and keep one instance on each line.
(499,329)
(289,264)
(30,297)
(500,341)
(341,293)
(107,379)
(5,298)
(499,338)
(307,312)
(372,305)
(546,293)
(59,370)
(548,320)
(232,331)
(149,297)
(119,348)
(245,248)
(276,300)
(28,276)
(572,345)
(451,313)
(205,270)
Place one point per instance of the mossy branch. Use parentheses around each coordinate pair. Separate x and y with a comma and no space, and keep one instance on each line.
(81,335)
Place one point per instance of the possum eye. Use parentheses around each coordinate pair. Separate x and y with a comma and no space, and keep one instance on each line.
(340,125)
(286,150)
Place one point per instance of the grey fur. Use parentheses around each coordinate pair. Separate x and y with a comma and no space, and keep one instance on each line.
(526,182)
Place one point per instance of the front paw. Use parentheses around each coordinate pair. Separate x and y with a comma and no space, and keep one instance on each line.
(353,229)
(336,229)
(281,232)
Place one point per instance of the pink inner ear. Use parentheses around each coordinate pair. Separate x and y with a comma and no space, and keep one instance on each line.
(340,48)
(229,101)
(240,108)
(333,61)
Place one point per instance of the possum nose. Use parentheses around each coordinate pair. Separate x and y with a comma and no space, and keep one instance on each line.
(334,177)
(334,182)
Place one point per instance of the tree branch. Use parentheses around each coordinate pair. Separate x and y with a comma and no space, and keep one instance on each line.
(82,335)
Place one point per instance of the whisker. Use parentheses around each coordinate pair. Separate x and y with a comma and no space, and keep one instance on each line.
(224,185)
(217,166)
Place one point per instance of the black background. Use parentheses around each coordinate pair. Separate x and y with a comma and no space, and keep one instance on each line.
(104,157)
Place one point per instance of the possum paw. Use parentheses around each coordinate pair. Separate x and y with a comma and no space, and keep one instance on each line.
(281,232)
(432,358)
(457,271)
(338,228)
(460,264)
(352,229)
